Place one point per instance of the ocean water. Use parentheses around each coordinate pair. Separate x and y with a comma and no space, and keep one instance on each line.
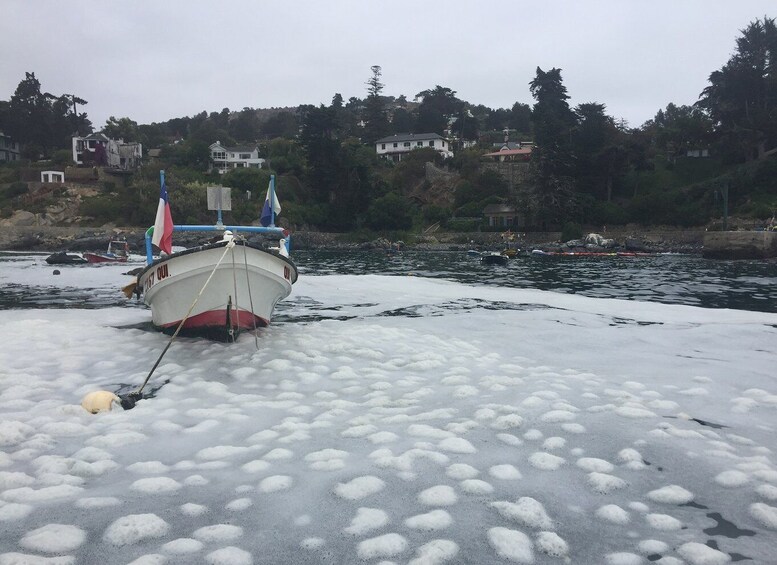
(666,278)
(415,409)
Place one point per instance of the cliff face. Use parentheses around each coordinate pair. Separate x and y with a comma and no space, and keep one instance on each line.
(438,187)
(64,211)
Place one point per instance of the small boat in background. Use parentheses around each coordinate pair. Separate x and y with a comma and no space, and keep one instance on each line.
(493,258)
(118,252)
(65,258)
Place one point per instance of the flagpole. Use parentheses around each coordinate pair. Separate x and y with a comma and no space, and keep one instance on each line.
(272,201)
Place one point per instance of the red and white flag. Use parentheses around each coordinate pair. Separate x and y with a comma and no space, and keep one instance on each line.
(163,225)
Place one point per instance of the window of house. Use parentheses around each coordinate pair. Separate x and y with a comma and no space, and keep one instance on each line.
(219,155)
(407,144)
(245,155)
(419,143)
(383,145)
(431,144)
(395,144)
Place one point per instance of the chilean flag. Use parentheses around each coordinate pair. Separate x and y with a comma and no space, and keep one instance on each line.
(163,225)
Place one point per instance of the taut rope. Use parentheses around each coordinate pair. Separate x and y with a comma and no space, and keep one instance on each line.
(133,396)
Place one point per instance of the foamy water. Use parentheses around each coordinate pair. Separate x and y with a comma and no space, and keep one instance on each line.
(392,420)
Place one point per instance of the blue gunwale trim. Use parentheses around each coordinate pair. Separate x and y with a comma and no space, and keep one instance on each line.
(207,228)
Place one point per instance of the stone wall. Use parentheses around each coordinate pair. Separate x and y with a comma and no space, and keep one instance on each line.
(740,245)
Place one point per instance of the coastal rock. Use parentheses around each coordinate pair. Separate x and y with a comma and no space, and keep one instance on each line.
(20,218)
(634,244)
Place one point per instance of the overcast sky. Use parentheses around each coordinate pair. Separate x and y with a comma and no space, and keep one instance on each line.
(152,61)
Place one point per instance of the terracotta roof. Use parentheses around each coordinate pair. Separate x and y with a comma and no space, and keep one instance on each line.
(505,152)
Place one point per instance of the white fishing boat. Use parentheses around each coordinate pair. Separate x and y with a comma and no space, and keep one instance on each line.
(219,288)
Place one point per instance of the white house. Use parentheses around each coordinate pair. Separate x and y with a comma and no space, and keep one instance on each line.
(394,146)
(99,149)
(225,158)
(52,176)
(9,149)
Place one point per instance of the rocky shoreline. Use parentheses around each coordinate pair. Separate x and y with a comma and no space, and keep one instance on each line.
(667,240)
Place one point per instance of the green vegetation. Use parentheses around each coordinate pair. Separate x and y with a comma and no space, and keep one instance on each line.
(586,169)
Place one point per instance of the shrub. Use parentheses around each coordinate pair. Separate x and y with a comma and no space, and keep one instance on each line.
(102,208)
(15,189)
(390,212)
(62,157)
(571,230)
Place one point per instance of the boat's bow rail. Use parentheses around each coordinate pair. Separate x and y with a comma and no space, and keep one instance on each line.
(282,250)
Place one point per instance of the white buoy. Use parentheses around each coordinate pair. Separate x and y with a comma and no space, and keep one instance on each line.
(100,401)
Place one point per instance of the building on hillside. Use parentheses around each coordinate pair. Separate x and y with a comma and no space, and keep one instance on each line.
(502,215)
(224,158)
(52,176)
(90,149)
(395,146)
(512,164)
(521,153)
(513,145)
(98,149)
(9,149)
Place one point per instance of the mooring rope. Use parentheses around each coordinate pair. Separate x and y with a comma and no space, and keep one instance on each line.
(231,331)
(250,298)
(137,393)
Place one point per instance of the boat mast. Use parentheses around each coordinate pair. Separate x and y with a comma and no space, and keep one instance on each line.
(272,201)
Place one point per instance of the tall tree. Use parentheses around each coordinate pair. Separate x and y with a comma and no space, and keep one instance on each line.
(245,126)
(520,118)
(552,158)
(320,140)
(282,124)
(742,95)
(376,123)
(496,120)
(122,128)
(401,121)
(438,105)
(79,123)
(599,151)
(29,117)
(678,128)
(40,121)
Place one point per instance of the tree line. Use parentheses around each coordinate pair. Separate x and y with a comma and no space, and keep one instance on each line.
(587,167)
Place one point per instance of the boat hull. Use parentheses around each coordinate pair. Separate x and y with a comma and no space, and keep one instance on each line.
(241,294)
(98,258)
(493,259)
(65,258)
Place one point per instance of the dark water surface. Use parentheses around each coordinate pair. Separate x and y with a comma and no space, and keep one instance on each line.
(672,279)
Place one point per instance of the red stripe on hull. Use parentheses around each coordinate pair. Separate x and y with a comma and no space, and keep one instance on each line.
(217,319)
(93,258)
